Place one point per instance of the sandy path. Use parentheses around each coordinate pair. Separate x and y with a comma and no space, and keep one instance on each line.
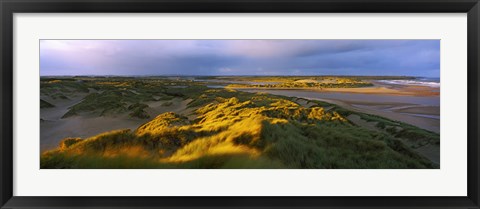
(178,105)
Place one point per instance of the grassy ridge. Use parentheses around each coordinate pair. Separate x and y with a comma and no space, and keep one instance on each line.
(310,83)
(111,96)
(294,78)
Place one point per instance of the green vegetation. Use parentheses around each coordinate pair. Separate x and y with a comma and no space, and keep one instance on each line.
(232,129)
(306,82)
(138,110)
(411,135)
(57,88)
(113,96)
(282,79)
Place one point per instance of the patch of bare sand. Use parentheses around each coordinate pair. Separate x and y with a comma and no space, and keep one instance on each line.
(61,106)
(54,128)
(177,105)
(421,90)
(52,131)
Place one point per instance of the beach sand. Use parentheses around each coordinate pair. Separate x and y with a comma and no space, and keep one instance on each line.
(405,90)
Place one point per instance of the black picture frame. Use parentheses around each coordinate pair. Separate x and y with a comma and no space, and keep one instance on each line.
(9,7)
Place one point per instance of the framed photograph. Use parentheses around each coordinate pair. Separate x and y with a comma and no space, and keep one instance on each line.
(240,104)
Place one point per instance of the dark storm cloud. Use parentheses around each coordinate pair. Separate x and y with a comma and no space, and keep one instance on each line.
(240,57)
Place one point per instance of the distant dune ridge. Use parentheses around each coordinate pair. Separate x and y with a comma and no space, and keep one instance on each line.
(184,124)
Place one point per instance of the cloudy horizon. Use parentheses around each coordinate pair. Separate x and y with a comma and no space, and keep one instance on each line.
(240,57)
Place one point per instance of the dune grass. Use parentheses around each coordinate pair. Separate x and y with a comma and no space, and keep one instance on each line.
(240,130)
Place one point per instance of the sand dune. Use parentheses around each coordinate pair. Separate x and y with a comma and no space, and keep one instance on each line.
(54,128)
(52,131)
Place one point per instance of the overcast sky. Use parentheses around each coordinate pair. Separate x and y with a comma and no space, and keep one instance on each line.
(240,57)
